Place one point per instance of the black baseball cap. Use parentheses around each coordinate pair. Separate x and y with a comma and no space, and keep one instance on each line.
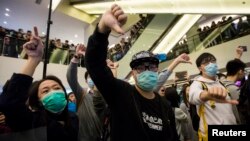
(143,56)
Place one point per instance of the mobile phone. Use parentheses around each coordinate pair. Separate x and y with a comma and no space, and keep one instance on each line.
(244,48)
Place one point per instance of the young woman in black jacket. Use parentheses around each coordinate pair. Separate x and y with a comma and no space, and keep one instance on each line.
(41,106)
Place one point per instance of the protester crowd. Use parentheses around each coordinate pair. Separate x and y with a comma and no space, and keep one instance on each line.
(113,109)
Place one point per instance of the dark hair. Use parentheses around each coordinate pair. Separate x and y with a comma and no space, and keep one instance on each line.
(172,96)
(70,94)
(203,56)
(184,95)
(86,75)
(234,66)
(36,105)
(34,101)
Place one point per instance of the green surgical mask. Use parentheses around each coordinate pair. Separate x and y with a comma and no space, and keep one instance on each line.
(55,101)
(147,80)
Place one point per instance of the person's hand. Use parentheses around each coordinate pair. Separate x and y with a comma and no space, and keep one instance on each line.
(34,48)
(80,50)
(112,19)
(183,58)
(217,94)
(2,118)
(239,52)
(112,65)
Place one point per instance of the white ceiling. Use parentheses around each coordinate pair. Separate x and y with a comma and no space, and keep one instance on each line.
(26,13)
(171,6)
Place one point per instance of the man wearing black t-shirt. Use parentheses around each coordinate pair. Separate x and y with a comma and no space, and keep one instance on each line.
(137,113)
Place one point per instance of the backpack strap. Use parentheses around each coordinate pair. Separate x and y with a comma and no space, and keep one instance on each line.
(211,102)
(226,87)
(205,126)
(201,114)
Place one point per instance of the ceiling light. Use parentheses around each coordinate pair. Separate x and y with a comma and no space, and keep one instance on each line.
(177,32)
(43,33)
(6,14)
(5,22)
(7,9)
(71,41)
(75,35)
(170,6)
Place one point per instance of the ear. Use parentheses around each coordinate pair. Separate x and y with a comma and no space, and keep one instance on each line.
(240,72)
(200,68)
(134,73)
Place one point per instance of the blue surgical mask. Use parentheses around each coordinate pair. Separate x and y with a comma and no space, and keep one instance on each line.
(72,107)
(55,101)
(211,69)
(90,83)
(147,80)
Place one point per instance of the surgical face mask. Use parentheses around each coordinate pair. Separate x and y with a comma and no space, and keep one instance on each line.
(55,101)
(147,80)
(211,69)
(90,83)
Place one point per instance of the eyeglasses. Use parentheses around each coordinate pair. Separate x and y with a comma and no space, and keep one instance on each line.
(146,66)
(208,60)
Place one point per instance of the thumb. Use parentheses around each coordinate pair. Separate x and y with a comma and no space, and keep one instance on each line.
(189,62)
(234,102)
(118,29)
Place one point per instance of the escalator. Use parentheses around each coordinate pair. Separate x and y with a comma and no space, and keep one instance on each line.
(158,26)
(213,36)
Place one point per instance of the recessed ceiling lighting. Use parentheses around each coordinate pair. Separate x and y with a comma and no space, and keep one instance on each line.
(75,35)
(5,22)
(6,14)
(7,9)
(43,33)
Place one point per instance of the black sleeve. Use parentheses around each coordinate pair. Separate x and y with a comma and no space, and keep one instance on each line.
(12,102)
(95,60)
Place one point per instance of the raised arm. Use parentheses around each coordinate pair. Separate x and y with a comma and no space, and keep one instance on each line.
(164,75)
(72,73)
(96,52)
(34,50)
(15,92)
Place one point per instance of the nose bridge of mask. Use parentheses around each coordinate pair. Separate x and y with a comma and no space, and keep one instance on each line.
(53,92)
